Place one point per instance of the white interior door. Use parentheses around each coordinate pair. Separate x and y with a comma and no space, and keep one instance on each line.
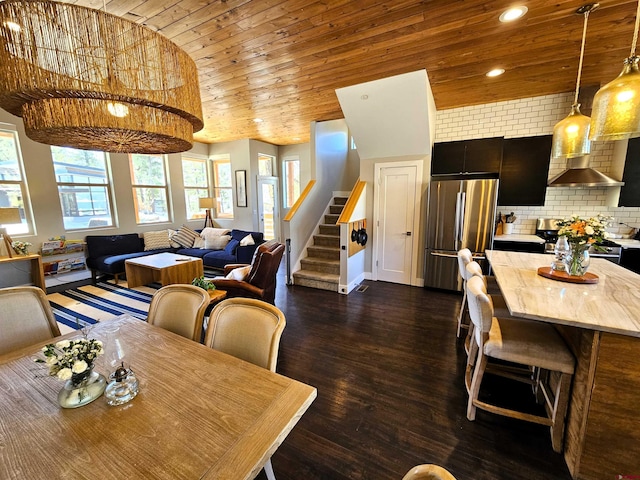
(268,210)
(396,201)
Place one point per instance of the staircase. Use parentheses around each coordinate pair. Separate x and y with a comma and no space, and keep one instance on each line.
(321,267)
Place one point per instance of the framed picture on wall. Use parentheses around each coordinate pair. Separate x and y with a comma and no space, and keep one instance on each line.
(241,188)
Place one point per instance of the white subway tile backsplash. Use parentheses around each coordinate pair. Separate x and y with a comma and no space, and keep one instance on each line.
(531,117)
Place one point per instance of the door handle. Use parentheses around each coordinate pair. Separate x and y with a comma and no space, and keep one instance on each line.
(408,234)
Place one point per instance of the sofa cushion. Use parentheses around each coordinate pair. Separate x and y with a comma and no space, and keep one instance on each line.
(216,243)
(217,259)
(193,252)
(248,240)
(210,232)
(101,245)
(230,248)
(156,240)
(185,236)
(258,237)
(239,273)
(115,263)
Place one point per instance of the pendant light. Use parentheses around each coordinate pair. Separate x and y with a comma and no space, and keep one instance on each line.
(616,106)
(571,134)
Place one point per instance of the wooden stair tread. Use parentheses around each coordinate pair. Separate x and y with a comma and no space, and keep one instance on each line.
(313,275)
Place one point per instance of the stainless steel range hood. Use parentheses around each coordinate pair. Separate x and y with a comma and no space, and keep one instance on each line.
(579,174)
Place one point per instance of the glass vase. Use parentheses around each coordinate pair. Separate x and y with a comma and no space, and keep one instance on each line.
(81,389)
(577,260)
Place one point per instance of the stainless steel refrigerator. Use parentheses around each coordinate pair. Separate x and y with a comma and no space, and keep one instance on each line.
(461,213)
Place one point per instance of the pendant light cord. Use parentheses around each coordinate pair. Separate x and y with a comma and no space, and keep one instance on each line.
(584,37)
(635,32)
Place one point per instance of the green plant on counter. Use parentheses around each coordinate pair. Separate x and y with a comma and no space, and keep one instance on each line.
(203,283)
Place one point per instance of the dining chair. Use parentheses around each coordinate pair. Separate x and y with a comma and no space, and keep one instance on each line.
(428,472)
(535,346)
(248,329)
(180,309)
(25,318)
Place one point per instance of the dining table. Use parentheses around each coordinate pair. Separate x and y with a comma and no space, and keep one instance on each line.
(199,413)
(600,322)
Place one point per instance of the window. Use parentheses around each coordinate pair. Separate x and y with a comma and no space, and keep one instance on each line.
(83,186)
(223,186)
(13,189)
(291,171)
(196,185)
(353,144)
(265,165)
(150,188)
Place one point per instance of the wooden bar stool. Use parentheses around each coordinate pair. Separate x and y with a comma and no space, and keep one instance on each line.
(533,345)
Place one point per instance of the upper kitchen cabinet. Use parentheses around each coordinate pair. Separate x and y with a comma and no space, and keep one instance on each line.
(467,156)
(524,172)
(630,192)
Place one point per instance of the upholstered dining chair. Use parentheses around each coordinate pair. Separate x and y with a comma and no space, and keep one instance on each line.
(536,346)
(428,472)
(248,329)
(25,318)
(260,281)
(180,309)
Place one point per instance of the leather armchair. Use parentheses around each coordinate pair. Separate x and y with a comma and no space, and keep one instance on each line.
(260,283)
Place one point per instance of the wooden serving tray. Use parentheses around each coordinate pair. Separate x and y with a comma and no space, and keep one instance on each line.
(548,272)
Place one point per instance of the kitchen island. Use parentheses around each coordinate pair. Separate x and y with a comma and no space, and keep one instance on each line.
(601,324)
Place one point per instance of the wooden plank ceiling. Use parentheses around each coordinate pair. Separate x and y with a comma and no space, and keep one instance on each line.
(282,60)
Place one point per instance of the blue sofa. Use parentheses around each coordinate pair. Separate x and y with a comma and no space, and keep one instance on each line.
(106,254)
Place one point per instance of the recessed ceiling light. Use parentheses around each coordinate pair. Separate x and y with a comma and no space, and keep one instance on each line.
(12,26)
(495,72)
(258,120)
(513,13)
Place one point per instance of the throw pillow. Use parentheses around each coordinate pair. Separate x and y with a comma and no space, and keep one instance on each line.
(156,240)
(248,240)
(210,232)
(239,273)
(185,236)
(198,243)
(216,243)
(173,243)
(230,249)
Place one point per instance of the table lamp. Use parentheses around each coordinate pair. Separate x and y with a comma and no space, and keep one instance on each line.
(8,216)
(207,203)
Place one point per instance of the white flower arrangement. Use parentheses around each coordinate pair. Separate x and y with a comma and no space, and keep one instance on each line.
(67,358)
(584,231)
(20,247)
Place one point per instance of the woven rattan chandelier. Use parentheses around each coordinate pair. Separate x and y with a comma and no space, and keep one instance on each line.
(83,78)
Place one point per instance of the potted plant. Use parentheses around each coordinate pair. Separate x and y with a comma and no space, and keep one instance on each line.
(203,283)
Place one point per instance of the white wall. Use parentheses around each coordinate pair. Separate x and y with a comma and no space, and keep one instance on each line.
(531,117)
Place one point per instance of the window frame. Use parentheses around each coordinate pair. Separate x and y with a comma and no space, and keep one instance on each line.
(216,160)
(27,227)
(164,187)
(285,181)
(200,190)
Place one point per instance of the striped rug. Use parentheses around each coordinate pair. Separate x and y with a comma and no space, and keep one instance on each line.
(78,307)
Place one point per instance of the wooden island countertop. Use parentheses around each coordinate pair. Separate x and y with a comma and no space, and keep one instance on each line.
(601,324)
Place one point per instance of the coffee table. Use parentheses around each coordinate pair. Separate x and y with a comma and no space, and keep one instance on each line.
(166,268)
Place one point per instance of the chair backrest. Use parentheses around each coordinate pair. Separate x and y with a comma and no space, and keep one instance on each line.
(264,268)
(480,308)
(248,329)
(474,269)
(180,309)
(25,318)
(464,257)
(428,472)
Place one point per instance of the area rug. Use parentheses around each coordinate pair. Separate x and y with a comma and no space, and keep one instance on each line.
(79,307)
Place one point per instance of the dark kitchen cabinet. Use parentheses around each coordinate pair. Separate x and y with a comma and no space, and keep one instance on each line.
(631,259)
(524,172)
(529,247)
(467,156)
(630,192)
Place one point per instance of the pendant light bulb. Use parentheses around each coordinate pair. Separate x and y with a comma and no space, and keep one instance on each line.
(616,106)
(571,134)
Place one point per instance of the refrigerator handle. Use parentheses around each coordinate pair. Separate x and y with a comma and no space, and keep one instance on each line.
(463,204)
(456,233)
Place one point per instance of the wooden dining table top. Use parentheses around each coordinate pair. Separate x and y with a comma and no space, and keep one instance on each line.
(199,414)
(611,305)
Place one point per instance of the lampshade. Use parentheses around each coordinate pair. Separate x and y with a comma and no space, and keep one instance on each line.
(205,202)
(83,78)
(616,106)
(10,216)
(571,134)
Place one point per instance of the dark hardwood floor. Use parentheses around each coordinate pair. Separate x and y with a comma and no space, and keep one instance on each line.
(389,373)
